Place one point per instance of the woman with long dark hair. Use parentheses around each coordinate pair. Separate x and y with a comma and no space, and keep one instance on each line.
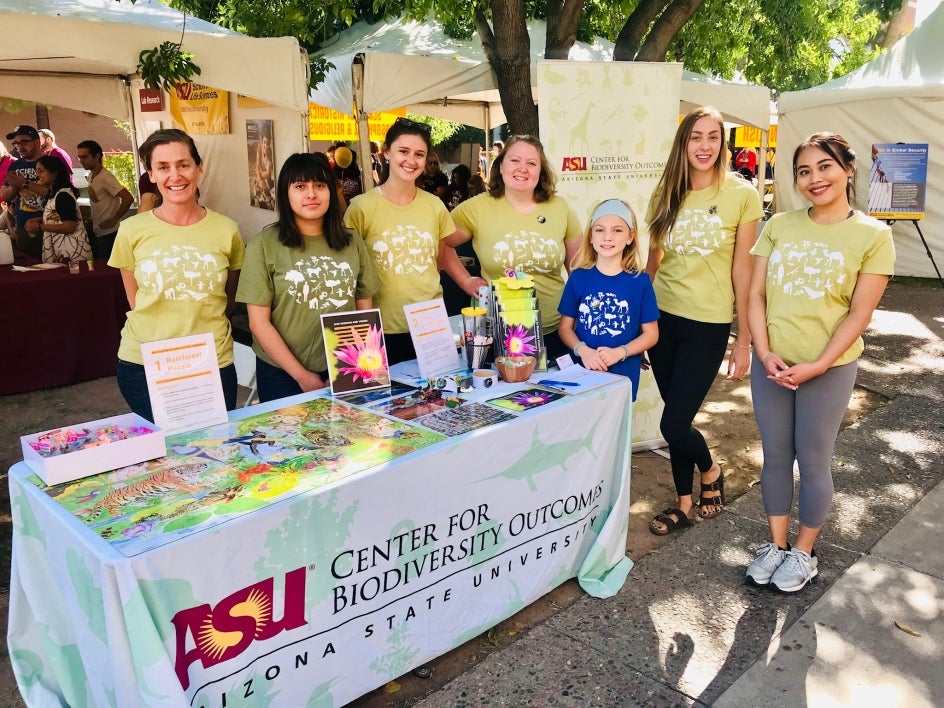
(304,265)
(64,236)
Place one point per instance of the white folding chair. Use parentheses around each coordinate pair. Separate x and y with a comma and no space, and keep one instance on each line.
(245,359)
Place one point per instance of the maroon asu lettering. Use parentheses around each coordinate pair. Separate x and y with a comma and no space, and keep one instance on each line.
(574,164)
(223,632)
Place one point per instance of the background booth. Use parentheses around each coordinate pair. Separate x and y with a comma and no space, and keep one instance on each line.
(83,54)
(897,97)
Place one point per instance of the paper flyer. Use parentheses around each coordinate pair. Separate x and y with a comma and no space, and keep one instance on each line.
(183,378)
(355,349)
(432,337)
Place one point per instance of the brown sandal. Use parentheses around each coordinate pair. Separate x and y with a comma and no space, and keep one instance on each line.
(671,519)
(711,507)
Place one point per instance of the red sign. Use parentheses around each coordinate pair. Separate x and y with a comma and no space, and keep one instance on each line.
(151,100)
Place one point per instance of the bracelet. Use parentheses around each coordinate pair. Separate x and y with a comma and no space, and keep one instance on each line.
(763,358)
(625,352)
(577,346)
(742,346)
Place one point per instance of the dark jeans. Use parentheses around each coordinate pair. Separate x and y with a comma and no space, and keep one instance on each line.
(685,362)
(29,244)
(132,382)
(102,245)
(399,348)
(274,383)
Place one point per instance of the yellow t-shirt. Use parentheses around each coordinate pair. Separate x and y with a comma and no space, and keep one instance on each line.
(403,242)
(181,272)
(811,274)
(694,278)
(504,238)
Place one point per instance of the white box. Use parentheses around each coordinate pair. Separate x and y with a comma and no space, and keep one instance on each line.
(94,460)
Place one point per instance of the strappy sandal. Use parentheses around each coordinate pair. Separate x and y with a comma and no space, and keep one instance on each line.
(711,507)
(671,519)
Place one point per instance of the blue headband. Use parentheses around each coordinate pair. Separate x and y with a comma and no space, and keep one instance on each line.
(614,207)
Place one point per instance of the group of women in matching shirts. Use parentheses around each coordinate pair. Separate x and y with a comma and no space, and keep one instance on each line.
(804,291)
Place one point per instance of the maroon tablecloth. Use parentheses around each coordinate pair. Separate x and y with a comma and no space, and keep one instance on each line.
(58,328)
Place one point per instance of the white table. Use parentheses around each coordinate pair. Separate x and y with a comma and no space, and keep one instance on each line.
(321,597)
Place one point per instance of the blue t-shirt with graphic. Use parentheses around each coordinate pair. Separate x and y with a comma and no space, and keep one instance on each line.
(609,310)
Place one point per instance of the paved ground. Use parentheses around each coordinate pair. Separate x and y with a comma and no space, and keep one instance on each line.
(685,629)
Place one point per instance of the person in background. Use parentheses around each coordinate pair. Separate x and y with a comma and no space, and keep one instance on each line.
(376,162)
(64,237)
(180,266)
(20,188)
(304,265)
(405,230)
(521,223)
(148,196)
(476,185)
(47,143)
(609,315)
(109,200)
(702,224)
(347,173)
(458,190)
(6,159)
(433,179)
(818,276)
(746,163)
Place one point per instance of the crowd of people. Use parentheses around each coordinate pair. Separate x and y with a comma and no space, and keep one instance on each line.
(40,209)
(800,294)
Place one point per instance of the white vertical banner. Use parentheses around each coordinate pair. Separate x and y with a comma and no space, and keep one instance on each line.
(607,128)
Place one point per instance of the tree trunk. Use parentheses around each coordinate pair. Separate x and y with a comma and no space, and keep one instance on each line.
(562,21)
(508,48)
(899,24)
(42,116)
(668,25)
(630,37)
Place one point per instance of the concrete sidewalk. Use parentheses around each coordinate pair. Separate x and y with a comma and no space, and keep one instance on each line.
(686,630)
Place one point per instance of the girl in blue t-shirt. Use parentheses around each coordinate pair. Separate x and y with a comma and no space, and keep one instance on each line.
(608,308)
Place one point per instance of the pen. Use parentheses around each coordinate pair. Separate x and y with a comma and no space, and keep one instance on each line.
(553,384)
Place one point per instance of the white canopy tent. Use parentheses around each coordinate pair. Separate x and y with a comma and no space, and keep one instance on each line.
(83,54)
(897,97)
(416,65)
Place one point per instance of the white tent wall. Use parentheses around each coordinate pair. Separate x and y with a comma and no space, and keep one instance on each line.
(225,184)
(897,97)
(83,54)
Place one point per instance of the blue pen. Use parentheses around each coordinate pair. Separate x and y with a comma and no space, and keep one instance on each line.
(553,384)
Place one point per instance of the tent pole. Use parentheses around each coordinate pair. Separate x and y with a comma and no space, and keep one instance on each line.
(129,96)
(363,129)
(762,167)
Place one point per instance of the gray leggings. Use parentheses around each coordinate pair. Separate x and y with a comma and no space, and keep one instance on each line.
(800,425)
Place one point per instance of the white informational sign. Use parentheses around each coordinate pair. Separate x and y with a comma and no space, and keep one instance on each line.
(607,128)
(432,337)
(183,378)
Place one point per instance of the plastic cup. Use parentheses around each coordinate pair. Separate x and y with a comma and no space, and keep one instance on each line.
(74,267)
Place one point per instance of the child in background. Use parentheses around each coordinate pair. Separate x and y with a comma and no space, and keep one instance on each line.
(304,265)
(608,308)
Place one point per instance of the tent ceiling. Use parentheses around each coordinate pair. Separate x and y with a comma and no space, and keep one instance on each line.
(414,64)
(47,44)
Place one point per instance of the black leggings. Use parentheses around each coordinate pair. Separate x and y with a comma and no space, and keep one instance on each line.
(685,362)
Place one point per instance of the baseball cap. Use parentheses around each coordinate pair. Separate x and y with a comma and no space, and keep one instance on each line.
(27,130)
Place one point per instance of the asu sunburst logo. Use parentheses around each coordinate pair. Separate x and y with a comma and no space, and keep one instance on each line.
(212,635)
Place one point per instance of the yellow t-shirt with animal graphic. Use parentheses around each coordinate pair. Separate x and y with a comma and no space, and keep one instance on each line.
(694,278)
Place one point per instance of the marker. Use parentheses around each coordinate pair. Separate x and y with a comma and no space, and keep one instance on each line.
(553,384)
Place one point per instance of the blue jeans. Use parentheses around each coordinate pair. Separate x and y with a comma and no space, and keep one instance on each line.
(102,245)
(132,382)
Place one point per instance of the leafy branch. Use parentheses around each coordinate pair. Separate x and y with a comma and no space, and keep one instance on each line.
(167,64)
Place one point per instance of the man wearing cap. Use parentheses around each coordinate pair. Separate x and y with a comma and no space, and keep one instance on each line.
(47,143)
(108,199)
(20,186)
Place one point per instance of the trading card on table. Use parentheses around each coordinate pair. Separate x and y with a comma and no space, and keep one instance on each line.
(526,399)
(465,418)
(413,406)
(363,399)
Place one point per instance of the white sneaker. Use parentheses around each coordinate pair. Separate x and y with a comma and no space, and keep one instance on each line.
(768,557)
(797,569)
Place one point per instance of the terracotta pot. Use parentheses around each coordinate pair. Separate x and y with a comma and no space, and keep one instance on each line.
(515,369)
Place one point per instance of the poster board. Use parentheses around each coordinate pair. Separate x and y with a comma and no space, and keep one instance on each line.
(898,180)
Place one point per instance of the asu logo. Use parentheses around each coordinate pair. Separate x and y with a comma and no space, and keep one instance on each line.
(223,632)
(184,90)
(574,164)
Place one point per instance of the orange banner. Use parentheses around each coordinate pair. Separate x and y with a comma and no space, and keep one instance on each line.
(328,124)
